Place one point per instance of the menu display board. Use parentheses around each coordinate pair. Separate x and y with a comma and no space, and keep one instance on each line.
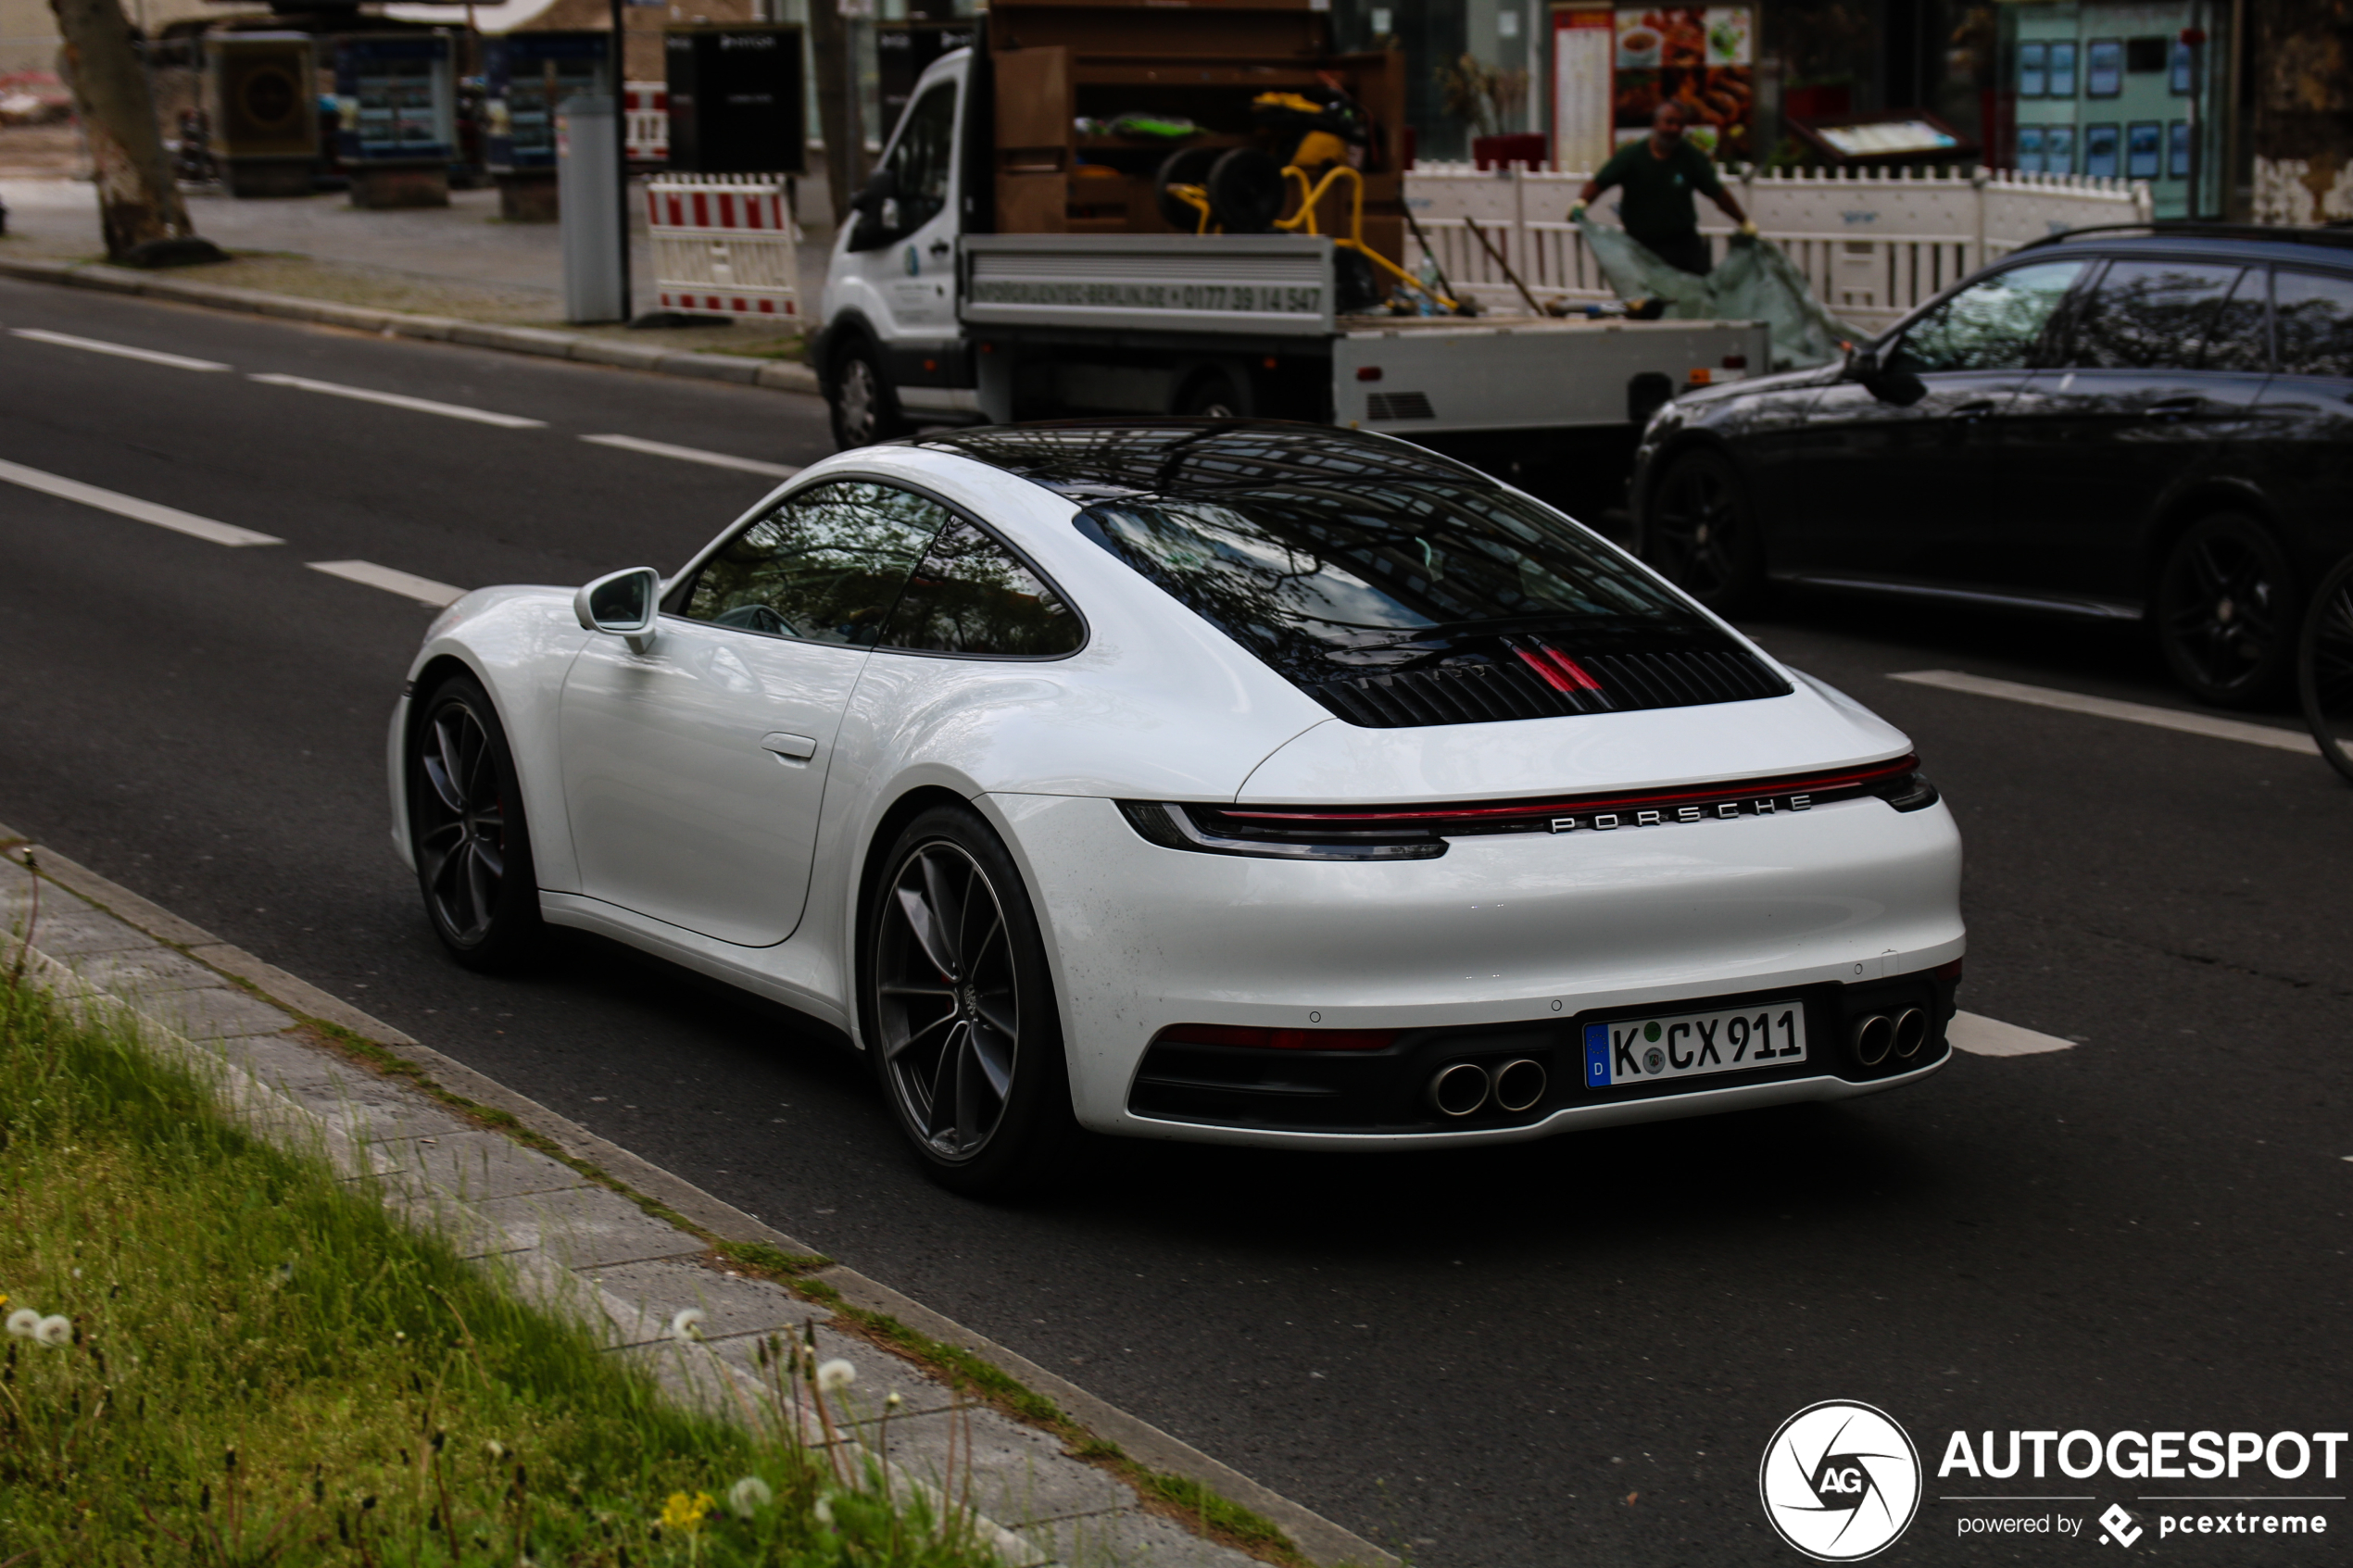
(1584,43)
(1702,56)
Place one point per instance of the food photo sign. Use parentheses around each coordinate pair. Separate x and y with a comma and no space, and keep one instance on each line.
(1702,56)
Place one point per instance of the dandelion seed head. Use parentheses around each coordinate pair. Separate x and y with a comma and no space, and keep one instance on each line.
(22,1322)
(494,1448)
(749,1496)
(824,1511)
(893,1401)
(835,1376)
(687,1324)
(55,1329)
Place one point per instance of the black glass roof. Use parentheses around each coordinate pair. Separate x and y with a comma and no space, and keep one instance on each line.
(1097,459)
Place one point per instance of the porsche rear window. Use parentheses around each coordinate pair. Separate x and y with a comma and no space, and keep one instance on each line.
(1328,581)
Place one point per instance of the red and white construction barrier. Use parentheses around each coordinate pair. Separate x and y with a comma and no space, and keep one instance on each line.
(724,245)
(646,104)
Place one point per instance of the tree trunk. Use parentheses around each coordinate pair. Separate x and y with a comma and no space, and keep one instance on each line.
(829,43)
(145,221)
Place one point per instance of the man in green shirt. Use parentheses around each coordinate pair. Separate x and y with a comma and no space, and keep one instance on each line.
(1658,175)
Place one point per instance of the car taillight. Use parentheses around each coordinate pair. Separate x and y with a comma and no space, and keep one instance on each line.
(1176,826)
(1275,1039)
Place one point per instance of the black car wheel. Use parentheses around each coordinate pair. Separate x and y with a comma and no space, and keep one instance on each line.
(1210,394)
(2324,668)
(1700,533)
(2225,611)
(864,408)
(959,1012)
(467,832)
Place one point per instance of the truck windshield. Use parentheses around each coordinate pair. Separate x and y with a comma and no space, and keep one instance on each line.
(1329,581)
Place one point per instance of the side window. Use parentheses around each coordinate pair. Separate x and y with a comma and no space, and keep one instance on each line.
(972,596)
(2150,315)
(920,160)
(1993,324)
(2236,341)
(2314,311)
(825,566)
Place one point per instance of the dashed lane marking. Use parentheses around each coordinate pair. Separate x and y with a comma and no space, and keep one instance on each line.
(121,350)
(398,400)
(1986,1037)
(408,584)
(132,507)
(2108,707)
(694,455)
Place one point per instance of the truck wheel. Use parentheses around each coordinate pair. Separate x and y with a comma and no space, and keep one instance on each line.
(1700,533)
(1213,394)
(2225,611)
(863,409)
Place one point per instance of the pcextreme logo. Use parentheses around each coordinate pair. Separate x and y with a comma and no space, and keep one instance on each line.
(1841,1480)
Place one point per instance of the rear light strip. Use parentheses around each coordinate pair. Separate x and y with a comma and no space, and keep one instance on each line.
(1814,787)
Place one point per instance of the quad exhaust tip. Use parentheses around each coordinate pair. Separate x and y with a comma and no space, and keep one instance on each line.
(1464,1089)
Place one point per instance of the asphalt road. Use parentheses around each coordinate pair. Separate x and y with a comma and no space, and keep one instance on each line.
(1570,1352)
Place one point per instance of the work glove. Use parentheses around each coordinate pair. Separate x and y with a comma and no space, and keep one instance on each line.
(1576,210)
(1748,228)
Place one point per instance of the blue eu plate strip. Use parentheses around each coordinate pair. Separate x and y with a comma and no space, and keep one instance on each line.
(1597,1056)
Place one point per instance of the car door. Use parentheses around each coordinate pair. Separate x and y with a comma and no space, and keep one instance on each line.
(2304,447)
(2155,389)
(900,261)
(1899,490)
(693,772)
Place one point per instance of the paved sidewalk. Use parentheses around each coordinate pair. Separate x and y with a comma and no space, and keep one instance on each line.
(462,260)
(577,1246)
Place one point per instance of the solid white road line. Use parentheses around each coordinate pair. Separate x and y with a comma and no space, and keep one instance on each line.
(153,356)
(133,507)
(396,400)
(408,584)
(694,455)
(2108,707)
(1986,1037)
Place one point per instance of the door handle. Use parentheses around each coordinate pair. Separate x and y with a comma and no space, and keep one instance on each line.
(940,247)
(2164,407)
(792,748)
(1976,410)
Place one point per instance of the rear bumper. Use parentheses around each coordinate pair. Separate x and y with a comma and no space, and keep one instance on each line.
(1502,944)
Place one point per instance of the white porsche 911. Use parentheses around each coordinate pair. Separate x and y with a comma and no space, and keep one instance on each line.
(1214,780)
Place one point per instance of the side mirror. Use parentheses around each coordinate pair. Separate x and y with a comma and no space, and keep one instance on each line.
(882,186)
(1888,384)
(623,604)
(877,208)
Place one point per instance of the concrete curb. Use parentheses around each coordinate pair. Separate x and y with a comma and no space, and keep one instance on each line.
(199,1014)
(773,374)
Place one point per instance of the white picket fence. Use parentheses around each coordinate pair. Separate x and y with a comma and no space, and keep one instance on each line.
(724,245)
(1872,243)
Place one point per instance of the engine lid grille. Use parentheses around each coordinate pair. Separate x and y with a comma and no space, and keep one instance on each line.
(1536,678)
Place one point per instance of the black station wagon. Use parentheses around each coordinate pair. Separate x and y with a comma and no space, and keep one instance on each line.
(2129,424)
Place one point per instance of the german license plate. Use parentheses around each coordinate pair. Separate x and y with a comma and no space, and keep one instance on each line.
(1686,1044)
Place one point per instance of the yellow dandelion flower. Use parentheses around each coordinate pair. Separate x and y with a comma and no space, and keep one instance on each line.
(684,1512)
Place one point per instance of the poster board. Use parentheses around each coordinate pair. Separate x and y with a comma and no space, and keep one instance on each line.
(1584,42)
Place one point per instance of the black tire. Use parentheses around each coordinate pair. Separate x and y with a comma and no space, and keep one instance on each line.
(1700,531)
(467,833)
(2225,611)
(860,398)
(2324,666)
(957,1005)
(1187,166)
(1246,191)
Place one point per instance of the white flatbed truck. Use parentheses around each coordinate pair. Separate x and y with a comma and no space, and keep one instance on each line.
(928,318)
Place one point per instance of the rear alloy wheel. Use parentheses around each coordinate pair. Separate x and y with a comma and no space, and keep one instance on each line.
(2324,668)
(467,832)
(1211,395)
(863,410)
(960,1012)
(2225,611)
(1700,533)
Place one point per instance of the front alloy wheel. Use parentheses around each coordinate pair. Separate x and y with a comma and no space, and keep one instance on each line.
(1700,531)
(472,849)
(960,1009)
(863,408)
(2225,612)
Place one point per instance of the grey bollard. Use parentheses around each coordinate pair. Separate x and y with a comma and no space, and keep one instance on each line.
(588,192)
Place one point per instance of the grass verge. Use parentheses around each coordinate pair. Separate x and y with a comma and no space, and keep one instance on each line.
(218,1353)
